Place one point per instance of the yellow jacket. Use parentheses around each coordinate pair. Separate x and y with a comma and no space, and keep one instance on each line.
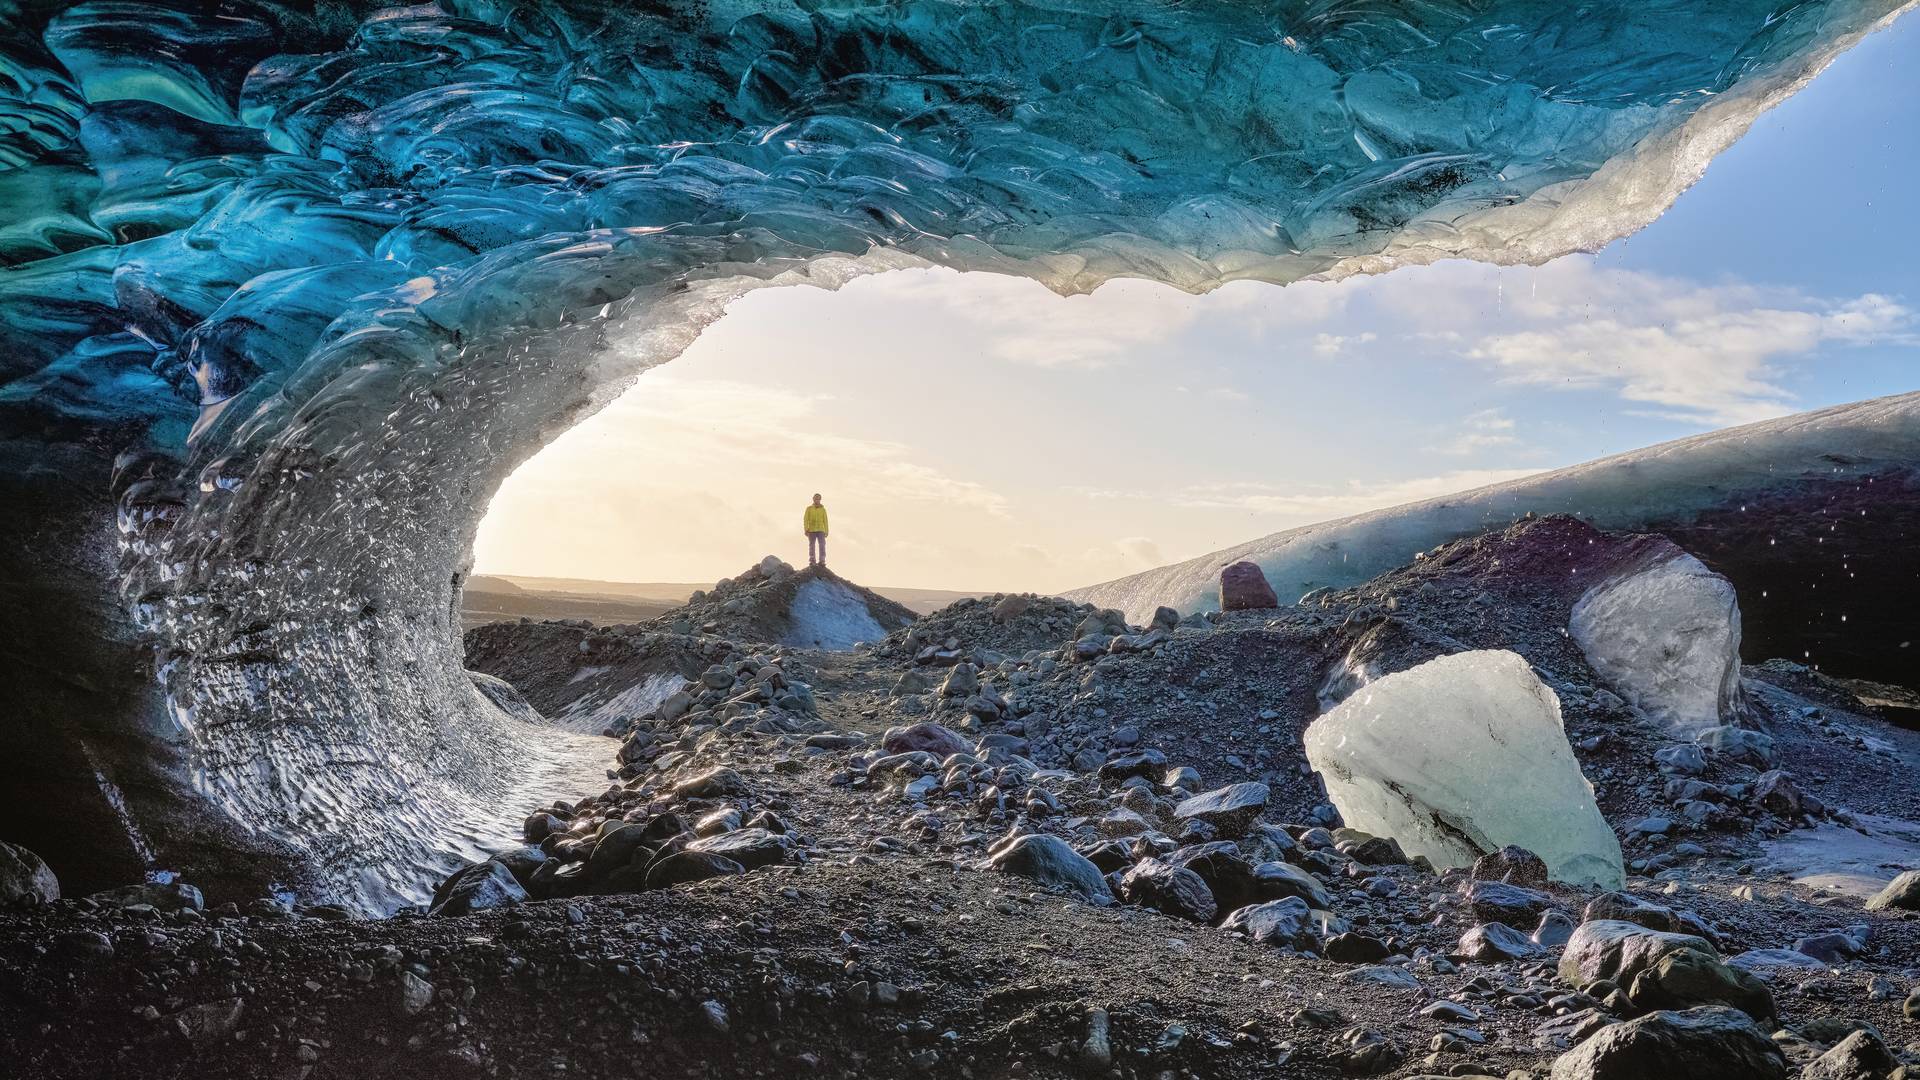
(815,521)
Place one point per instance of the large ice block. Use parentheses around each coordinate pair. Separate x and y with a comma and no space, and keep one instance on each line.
(1462,756)
(1666,637)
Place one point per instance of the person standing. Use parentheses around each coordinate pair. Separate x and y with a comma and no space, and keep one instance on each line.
(814,524)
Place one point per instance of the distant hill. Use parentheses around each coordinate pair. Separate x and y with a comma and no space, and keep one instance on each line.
(500,597)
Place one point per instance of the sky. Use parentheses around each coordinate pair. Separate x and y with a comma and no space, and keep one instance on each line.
(978,432)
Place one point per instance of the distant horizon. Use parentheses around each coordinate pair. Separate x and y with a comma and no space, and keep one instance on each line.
(709,583)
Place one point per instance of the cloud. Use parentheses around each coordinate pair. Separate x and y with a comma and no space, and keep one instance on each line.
(1485,430)
(1141,551)
(1704,354)
(688,427)
(1335,344)
(1021,322)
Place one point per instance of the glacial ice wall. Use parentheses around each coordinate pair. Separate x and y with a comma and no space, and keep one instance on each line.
(1809,516)
(287,291)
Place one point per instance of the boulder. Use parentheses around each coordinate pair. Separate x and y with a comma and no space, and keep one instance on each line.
(1228,876)
(1659,970)
(1147,763)
(1244,587)
(1354,948)
(1231,809)
(1169,889)
(751,848)
(1685,759)
(539,826)
(1497,901)
(680,867)
(161,896)
(1625,907)
(1495,942)
(1513,865)
(711,784)
(1049,862)
(1738,744)
(1902,893)
(1553,930)
(1776,793)
(1762,960)
(1665,635)
(1284,922)
(936,739)
(615,849)
(1834,946)
(478,887)
(1275,880)
(1708,1043)
(1860,1056)
(1011,607)
(24,879)
(962,680)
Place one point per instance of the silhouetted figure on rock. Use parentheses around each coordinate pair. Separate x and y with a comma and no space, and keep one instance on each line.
(814,524)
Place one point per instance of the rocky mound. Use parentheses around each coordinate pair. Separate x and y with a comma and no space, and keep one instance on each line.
(772,602)
(1004,624)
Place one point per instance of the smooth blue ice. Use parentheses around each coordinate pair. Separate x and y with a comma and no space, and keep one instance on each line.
(297,290)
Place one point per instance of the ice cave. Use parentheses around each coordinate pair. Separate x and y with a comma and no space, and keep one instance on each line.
(287,292)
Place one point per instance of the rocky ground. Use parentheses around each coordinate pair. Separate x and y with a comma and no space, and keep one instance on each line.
(1019,837)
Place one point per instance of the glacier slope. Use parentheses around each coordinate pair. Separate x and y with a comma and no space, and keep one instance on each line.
(1807,515)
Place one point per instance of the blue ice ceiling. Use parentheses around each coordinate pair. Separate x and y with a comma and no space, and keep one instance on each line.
(193,196)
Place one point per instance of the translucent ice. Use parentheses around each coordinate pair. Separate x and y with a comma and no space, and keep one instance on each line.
(830,615)
(1462,756)
(1666,637)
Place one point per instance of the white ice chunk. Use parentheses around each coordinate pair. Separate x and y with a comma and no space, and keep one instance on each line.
(589,715)
(1666,637)
(830,615)
(1462,756)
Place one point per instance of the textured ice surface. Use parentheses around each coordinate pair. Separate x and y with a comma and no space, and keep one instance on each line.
(1665,637)
(829,615)
(1462,756)
(289,289)
(590,715)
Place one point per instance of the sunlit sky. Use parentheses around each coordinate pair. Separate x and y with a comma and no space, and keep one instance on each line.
(979,432)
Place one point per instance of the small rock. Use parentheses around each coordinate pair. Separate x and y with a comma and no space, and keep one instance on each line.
(1708,1043)
(1513,865)
(416,993)
(1287,922)
(1243,587)
(1171,890)
(1048,861)
(24,878)
(1902,892)
(1860,1056)
(1495,942)
(1231,809)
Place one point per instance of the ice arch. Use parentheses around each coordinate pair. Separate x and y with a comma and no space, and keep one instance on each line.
(286,294)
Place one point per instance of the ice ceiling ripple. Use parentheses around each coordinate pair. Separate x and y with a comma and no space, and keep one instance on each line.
(300,286)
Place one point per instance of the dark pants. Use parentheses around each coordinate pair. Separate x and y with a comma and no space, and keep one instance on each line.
(816,549)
